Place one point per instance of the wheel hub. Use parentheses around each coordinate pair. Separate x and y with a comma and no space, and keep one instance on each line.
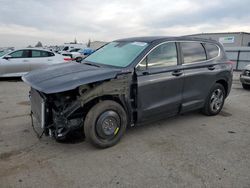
(108,124)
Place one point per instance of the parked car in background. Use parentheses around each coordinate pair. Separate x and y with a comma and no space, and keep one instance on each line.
(245,77)
(86,51)
(81,54)
(78,54)
(69,53)
(128,82)
(71,46)
(19,62)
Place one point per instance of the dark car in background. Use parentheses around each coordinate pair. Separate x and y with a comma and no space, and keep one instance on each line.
(128,82)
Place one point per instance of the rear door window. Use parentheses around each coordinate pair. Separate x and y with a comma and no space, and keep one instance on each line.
(193,52)
(40,53)
(212,50)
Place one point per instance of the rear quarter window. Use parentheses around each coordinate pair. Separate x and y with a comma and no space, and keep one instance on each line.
(39,53)
(212,50)
(193,52)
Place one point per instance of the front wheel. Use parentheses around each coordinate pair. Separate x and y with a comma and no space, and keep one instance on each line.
(215,100)
(105,124)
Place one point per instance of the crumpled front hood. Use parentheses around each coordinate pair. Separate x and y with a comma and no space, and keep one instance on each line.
(64,77)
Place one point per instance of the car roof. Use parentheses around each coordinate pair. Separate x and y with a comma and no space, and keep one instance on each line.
(150,39)
(32,49)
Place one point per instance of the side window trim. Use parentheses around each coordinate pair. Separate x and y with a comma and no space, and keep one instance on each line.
(160,68)
(180,59)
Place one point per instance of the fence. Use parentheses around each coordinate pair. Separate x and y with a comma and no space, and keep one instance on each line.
(239,55)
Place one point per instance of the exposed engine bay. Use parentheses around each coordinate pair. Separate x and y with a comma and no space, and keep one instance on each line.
(60,113)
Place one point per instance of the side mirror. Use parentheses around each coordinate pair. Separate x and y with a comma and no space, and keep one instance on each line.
(7,57)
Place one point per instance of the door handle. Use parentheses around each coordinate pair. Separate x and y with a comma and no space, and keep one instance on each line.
(211,67)
(177,73)
(25,60)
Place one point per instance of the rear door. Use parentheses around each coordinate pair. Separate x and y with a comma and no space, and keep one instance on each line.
(41,58)
(17,65)
(160,83)
(200,68)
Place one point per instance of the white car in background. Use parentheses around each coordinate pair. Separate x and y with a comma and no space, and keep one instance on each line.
(70,46)
(19,62)
(78,54)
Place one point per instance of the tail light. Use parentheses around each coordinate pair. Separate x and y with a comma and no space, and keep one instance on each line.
(68,59)
(232,63)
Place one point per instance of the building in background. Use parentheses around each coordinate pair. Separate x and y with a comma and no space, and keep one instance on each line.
(233,39)
(97,44)
(236,44)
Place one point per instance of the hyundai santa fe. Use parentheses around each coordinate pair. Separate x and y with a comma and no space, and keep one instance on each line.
(128,82)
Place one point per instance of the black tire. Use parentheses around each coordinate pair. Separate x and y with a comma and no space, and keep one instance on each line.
(78,59)
(246,86)
(101,121)
(213,105)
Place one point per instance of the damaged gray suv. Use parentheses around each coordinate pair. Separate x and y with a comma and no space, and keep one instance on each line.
(128,82)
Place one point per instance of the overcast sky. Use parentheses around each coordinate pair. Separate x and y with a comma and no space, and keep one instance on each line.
(24,22)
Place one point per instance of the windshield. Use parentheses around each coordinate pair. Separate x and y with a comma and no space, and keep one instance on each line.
(119,54)
(3,53)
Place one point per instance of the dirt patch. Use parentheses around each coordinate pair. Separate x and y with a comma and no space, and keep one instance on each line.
(26,131)
(225,114)
(25,103)
(16,116)
(12,170)
(7,155)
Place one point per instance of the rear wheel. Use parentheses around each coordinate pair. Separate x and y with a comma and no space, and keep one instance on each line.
(215,100)
(246,86)
(105,124)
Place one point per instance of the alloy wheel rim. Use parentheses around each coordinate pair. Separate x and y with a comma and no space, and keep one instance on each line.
(216,100)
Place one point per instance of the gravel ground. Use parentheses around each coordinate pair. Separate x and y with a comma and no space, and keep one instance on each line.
(190,150)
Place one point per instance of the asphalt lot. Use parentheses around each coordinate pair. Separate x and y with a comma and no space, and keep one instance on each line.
(190,150)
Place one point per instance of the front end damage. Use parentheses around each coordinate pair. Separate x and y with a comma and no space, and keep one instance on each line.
(60,113)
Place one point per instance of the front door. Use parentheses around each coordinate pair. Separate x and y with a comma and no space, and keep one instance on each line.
(160,83)
(17,64)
